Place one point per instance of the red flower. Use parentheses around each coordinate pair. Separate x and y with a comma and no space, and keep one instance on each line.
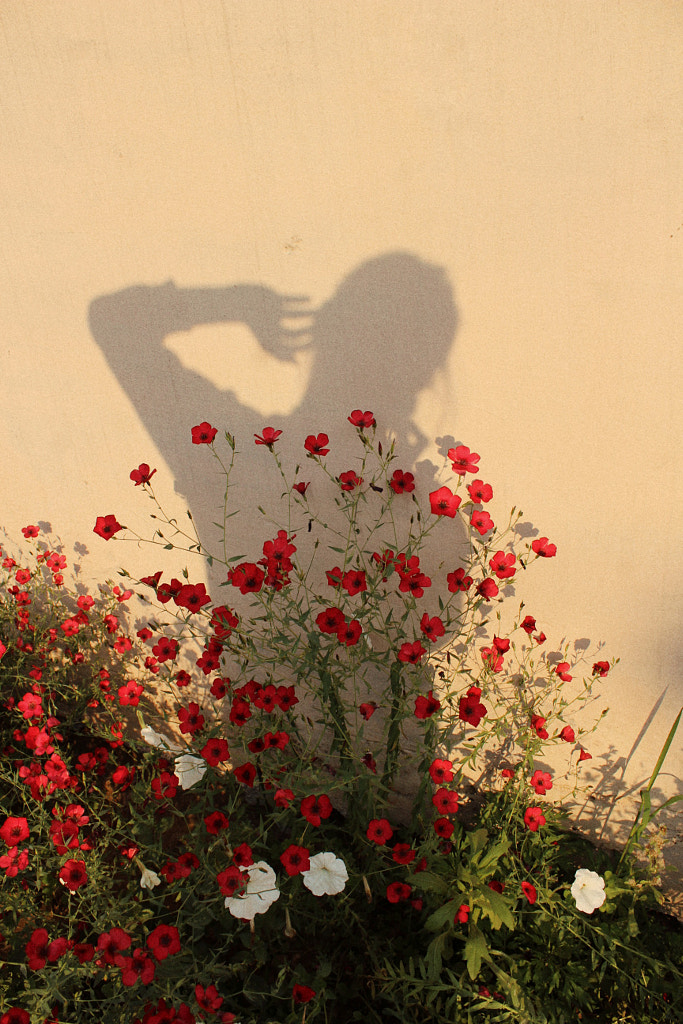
(302,994)
(492,658)
(215,751)
(541,781)
(567,734)
(348,480)
(30,531)
(37,949)
(242,855)
(190,719)
(315,808)
(601,668)
(562,671)
(487,589)
(166,785)
(528,624)
(362,420)
(268,437)
(164,941)
(301,487)
(543,548)
(137,966)
(349,633)
(334,576)
(330,620)
(192,596)
(231,880)
(402,853)
(464,461)
(112,943)
(283,797)
(530,892)
(368,710)
(432,628)
(107,526)
(130,693)
(496,885)
(534,818)
(215,822)
(458,581)
(538,724)
(142,474)
(540,638)
(470,708)
(584,755)
(73,874)
(426,706)
(295,859)
(479,491)
(462,915)
(246,773)
(445,801)
(248,577)
(402,482)
(354,582)
(444,828)
(398,891)
(443,502)
(203,434)
(208,997)
(14,831)
(503,565)
(481,521)
(317,445)
(379,831)
(441,770)
(411,652)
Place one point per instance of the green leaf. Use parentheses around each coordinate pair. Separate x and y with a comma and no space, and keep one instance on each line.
(443,915)
(476,950)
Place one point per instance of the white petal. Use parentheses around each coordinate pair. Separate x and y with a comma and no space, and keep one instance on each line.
(189,769)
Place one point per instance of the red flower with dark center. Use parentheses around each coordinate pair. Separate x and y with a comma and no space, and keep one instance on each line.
(165,786)
(268,437)
(137,966)
(362,420)
(354,582)
(411,653)
(530,892)
(464,461)
(165,591)
(542,548)
(107,526)
(445,801)
(240,711)
(470,708)
(142,475)
(231,880)
(208,997)
(432,628)
(379,831)
(286,697)
(368,710)
(458,581)
(398,891)
(481,521)
(14,831)
(73,874)
(528,624)
(215,751)
(246,773)
(441,770)
(315,808)
(316,445)
(496,885)
(215,822)
(301,487)
(443,502)
(534,818)
(601,668)
(480,492)
(444,828)
(30,531)
(350,633)
(283,797)
(402,483)
(503,565)
(248,577)
(541,781)
(402,853)
(538,725)
(491,658)
(487,589)
(37,949)
(242,855)
(302,994)
(204,433)
(295,859)
(192,596)
(348,481)
(330,620)
(164,941)
(567,734)
(426,706)
(190,719)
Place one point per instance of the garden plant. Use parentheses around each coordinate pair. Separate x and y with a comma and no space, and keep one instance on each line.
(321,791)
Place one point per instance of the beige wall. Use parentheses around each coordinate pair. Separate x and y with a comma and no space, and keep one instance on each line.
(519,162)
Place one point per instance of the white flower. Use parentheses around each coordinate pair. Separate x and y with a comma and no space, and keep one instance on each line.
(149,878)
(189,769)
(155,739)
(588,890)
(260,894)
(326,876)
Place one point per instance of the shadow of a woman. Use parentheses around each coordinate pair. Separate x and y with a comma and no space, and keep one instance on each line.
(376,344)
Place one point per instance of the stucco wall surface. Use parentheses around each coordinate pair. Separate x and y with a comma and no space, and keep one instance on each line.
(473,210)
